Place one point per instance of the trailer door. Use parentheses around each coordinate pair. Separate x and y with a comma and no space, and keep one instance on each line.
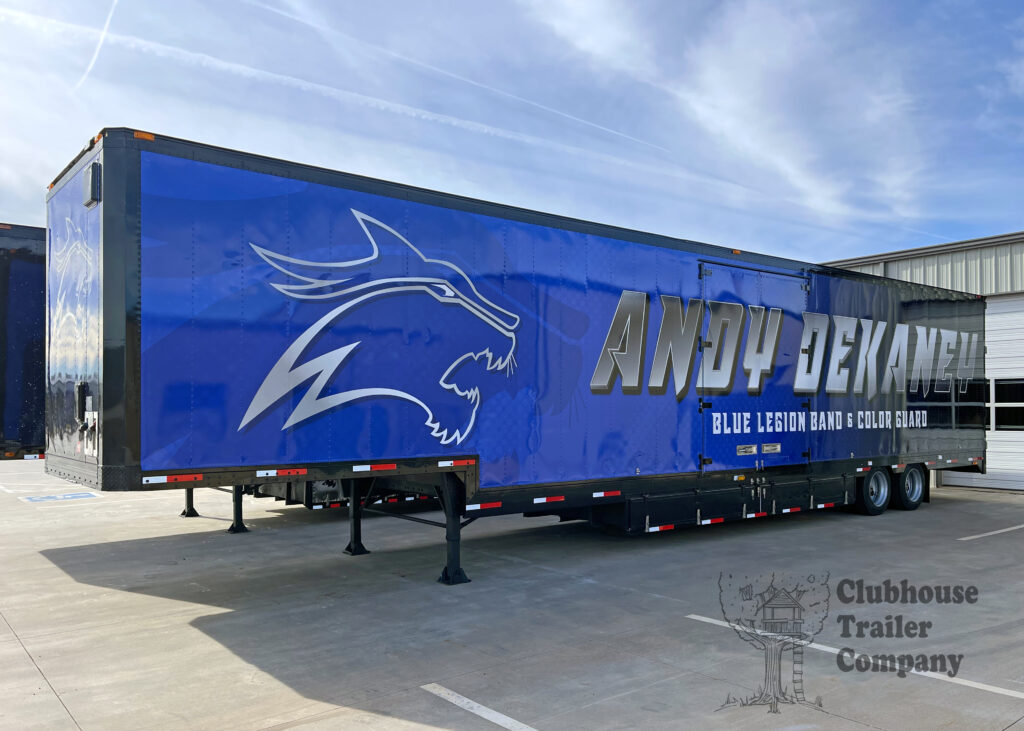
(750,341)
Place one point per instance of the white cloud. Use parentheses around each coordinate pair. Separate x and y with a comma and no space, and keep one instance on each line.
(781,95)
(604,29)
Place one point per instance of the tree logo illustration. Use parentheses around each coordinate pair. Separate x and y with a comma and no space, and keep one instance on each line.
(778,614)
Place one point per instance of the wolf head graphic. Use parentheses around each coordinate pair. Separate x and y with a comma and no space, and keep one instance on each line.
(391,267)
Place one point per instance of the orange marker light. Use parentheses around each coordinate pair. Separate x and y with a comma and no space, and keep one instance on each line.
(144,136)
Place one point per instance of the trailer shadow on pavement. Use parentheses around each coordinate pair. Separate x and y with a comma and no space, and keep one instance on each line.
(563,624)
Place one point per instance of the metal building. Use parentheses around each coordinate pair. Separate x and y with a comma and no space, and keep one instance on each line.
(992,266)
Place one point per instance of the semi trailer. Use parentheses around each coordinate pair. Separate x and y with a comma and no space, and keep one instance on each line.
(218,318)
(22,340)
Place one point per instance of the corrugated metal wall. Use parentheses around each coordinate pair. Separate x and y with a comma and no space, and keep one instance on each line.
(982,270)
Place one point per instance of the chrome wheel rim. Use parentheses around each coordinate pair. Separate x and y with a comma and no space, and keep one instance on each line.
(878,490)
(914,482)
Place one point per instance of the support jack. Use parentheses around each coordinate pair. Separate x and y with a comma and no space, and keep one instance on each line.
(190,509)
(237,526)
(355,545)
(450,495)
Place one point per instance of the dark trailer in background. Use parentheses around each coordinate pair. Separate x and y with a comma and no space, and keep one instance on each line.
(218,318)
(22,340)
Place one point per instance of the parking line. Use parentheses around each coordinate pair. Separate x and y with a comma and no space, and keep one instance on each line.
(489,714)
(933,676)
(992,533)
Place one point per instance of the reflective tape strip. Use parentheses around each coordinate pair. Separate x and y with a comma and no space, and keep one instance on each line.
(456,463)
(552,499)
(709,521)
(373,467)
(659,528)
(756,515)
(791,510)
(738,478)
(161,479)
(281,473)
(318,507)
(863,469)
(952,461)
(392,500)
(410,497)
(184,478)
(33,456)
(334,505)
(608,493)
(483,506)
(932,462)
(826,505)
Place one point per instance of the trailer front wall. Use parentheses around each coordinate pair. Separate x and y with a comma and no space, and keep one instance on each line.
(290,322)
(73,321)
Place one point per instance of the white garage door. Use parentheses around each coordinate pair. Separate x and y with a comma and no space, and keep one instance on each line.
(1004,366)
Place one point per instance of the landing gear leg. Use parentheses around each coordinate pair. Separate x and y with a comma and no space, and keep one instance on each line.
(355,545)
(237,526)
(452,499)
(190,508)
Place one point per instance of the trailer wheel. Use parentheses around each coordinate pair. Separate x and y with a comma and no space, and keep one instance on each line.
(910,488)
(874,491)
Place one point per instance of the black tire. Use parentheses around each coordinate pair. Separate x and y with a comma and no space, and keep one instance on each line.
(874,491)
(910,487)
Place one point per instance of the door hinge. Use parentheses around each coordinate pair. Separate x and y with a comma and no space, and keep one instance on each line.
(702,404)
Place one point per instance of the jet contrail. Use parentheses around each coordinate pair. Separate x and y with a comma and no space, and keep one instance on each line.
(99,45)
(710,183)
(442,72)
(203,60)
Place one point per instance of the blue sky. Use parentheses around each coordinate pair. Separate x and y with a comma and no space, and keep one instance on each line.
(810,130)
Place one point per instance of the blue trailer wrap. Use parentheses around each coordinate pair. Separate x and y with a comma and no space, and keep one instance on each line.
(374,327)
(219,318)
(22,340)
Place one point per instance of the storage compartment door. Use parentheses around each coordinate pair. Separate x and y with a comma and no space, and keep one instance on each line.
(750,345)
